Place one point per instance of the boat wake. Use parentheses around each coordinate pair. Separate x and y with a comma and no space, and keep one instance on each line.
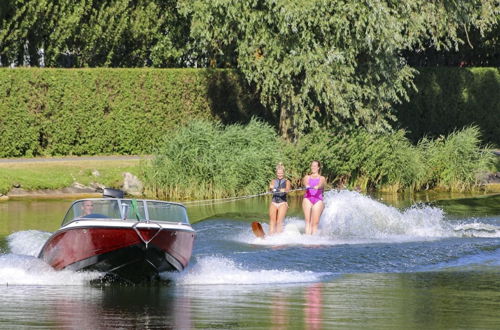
(485,260)
(352,218)
(477,229)
(216,270)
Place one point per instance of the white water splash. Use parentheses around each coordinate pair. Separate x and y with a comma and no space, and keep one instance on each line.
(22,267)
(27,270)
(352,218)
(220,270)
(349,214)
(28,242)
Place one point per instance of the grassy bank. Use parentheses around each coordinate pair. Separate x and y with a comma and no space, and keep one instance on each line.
(61,174)
(207,160)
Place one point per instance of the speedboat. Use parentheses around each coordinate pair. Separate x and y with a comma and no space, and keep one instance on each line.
(126,239)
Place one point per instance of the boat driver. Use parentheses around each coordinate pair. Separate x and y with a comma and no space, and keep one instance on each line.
(87,208)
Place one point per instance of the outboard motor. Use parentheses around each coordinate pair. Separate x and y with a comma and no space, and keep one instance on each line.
(112,193)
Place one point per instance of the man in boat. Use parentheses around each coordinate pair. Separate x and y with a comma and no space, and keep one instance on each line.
(87,208)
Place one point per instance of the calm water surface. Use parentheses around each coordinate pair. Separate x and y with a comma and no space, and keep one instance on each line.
(377,263)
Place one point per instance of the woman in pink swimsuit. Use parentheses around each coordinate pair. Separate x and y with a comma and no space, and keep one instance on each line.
(279,205)
(313,199)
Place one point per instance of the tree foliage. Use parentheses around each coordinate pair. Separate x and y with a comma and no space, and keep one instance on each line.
(94,33)
(336,61)
(331,62)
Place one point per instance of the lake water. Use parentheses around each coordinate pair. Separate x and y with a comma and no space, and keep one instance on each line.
(377,263)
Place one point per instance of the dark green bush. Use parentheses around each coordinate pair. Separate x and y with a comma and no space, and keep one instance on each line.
(127,111)
(449,99)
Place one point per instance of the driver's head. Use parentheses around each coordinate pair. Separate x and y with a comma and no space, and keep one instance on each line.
(87,207)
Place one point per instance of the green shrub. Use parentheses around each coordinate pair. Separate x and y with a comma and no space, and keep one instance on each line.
(391,161)
(457,161)
(388,161)
(362,158)
(207,160)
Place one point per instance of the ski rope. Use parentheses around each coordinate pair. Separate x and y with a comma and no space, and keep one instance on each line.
(215,201)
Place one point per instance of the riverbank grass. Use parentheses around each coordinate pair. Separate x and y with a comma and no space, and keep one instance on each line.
(62,174)
(206,160)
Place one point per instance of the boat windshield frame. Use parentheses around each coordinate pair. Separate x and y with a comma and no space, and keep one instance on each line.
(141,210)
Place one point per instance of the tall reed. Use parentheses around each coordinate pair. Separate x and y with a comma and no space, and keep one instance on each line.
(456,162)
(361,158)
(206,160)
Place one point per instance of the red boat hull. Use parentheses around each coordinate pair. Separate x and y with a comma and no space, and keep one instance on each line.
(120,251)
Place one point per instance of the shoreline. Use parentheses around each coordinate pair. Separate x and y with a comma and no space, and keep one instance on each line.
(86,175)
(71,158)
(63,193)
(80,192)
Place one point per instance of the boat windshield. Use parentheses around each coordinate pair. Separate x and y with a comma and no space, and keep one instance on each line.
(140,210)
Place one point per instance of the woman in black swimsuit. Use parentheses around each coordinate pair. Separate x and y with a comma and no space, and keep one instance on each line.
(277,210)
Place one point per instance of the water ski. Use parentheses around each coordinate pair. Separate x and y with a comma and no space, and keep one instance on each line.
(257,229)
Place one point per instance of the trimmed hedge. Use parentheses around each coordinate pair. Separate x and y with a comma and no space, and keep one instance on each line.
(128,111)
(111,111)
(451,98)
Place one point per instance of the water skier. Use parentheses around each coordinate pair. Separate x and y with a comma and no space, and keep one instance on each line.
(313,199)
(279,205)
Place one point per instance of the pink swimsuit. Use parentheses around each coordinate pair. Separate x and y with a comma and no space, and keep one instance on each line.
(314,195)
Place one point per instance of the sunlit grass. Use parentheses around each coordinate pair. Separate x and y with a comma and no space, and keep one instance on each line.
(61,174)
(207,160)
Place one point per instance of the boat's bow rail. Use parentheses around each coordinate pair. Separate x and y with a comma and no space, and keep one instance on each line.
(146,241)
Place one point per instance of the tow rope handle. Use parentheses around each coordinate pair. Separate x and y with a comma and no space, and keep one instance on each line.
(135,209)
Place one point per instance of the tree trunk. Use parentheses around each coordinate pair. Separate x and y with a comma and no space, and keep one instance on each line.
(286,127)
